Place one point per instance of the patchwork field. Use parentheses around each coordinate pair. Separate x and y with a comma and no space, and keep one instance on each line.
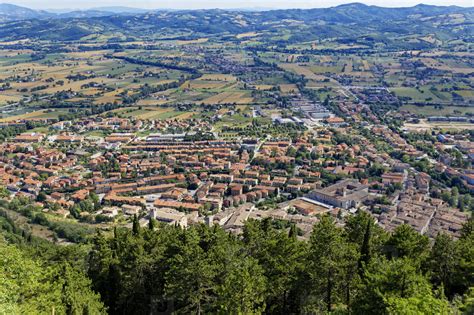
(302,70)
(437,111)
(153,113)
(427,126)
(229,98)
(35,115)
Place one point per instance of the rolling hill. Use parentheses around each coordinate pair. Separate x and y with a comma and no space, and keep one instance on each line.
(348,21)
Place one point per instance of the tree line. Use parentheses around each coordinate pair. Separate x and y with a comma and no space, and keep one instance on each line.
(355,269)
(358,269)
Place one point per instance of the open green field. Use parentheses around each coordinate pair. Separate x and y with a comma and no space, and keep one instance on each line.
(153,113)
(36,115)
(432,111)
(424,94)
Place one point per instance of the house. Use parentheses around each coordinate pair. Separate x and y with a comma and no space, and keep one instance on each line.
(110,211)
(170,216)
(29,137)
(131,209)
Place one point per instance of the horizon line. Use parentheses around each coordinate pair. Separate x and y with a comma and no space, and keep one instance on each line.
(255,8)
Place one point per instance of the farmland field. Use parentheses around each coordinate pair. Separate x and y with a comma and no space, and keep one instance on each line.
(229,98)
(432,111)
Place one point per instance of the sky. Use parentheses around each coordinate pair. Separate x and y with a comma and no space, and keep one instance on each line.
(201,4)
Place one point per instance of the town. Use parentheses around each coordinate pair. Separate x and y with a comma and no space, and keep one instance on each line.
(259,157)
(131,168)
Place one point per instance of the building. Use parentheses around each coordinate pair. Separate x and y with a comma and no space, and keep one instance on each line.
(170,216)
(346,194)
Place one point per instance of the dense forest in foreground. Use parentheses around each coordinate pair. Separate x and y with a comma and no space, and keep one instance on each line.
(358,269)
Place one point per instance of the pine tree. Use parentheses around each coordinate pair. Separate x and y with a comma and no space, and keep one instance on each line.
(331,263)
(406,242)
(243,289)
(443,263)
(396,286)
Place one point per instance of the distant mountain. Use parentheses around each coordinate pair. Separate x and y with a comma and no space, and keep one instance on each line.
(11,12)
(121,10)
(84,14)
(101,11)
(349,21)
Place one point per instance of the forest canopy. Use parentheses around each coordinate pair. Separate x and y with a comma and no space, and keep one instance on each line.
(358,269)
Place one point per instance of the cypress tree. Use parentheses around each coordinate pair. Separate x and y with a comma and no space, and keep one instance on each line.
(135,226)
(365,248)
(151,224)
(293,233)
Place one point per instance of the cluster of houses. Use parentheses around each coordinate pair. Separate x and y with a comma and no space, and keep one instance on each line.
(184,180)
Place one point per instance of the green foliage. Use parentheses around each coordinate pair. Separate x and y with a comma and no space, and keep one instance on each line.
(332,267)
(31,286)
(243,290)
(359,269)
(406,242)
(443,263)
(394,286)
(70,230)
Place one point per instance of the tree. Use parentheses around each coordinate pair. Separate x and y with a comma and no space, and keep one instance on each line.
(243,289)
(293,233)
(151,224)
(465,245)
(41,196)
(31,286)
(365,249)
(443,263)
(406,242)
(366,235)
(4,193)
(468,228)
(190,278)
(76,295)
(99,260)
(135,225)
(466,304)
(332,262)
(396,287)
(282,260)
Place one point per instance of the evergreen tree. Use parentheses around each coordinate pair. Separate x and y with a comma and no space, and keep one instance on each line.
(189,280)
(396,287)
(406,242)
(243,289)
(293,233)
(365,249)
(151,224)
(332,262)
(443,263)
(135,225)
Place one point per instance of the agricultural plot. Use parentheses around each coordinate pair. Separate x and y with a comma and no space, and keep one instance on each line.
(421,95)
(438,111)
(302,70)
(263,87)
(35,115)
(204,84)
(218,77)
(153,113)
(424,126)
(247,35)
(288,88)
(229,98)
